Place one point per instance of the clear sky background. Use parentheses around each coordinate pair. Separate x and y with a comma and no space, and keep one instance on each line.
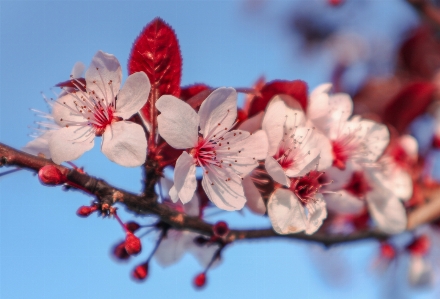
(46,251)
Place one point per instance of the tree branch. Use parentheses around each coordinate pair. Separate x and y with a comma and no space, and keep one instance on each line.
(143,204)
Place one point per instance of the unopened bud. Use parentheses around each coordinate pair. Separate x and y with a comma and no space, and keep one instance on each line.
(220,229)
(85,211)
(132,244)
(140,272)
(420,246)
(51,175)
(200,280)
(120,252)
(387,251)
(132,226)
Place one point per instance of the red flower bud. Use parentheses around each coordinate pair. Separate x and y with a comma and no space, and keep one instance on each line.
(387,251)
(200,280)
(51,175)
(420,246)
(220,229)
(140,272)
(85,211)
(132,226)
(132,244)
(119,251)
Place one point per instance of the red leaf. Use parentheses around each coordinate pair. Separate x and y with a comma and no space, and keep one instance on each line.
(189,91)
(297,89)
(156,52)
(410,102)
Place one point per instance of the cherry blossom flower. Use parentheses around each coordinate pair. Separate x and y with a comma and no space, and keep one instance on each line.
(225,155)
(369,186)
(99,108)
(299,208)
(355,139)
(39,146)
(294,147)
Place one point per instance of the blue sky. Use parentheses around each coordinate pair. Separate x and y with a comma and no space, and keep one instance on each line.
(46,251)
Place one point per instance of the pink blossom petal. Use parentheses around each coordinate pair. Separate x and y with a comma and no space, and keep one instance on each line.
(124,143)
(172,248)
(104,76)
(133,95)
(185,177)
(286,213)
(225,194)
(218,111)
(317,110)
(275,170)
(203,254)
(252,124)
(317,212)
(420,273)
(254,199)
(64,112)
(192,208)
(69,143)
(174,196)
(77,70)
(273,123)
(376,138)
(342,202)
(178,122)
(387,211)
(40,145)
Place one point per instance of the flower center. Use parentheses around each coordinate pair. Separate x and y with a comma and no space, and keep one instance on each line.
(306,187)
(343,148)
(358,185)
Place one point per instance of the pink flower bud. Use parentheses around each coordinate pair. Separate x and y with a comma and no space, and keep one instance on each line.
(119,251)
(132,244)
(200,280)
(85,211)
(387,251)
(51,175)
(220,229)
(132,226)
(140,272)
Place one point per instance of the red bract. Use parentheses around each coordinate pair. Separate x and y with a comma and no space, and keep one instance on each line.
(297,89)
(73,85)
(51,175)
(200,280)
(140,272)
(156,52)
(420,246)
(410,102)
(120,252)
(132,244)
(187,92)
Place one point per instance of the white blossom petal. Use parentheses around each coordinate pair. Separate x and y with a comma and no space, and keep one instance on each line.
(133,95)
(342,202)
(254,199)
(124,143)
(317,212)
(64,112)
(171,248)
(376,137)
(40,145)
(104,76)
(178,123)
(387,210)
(192,208)
(286,213)
(69,143)
(273,123)
(420,272)
(174,196)
(185,177)
(275,170)
(218,111)
(252,124)
(226,195)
